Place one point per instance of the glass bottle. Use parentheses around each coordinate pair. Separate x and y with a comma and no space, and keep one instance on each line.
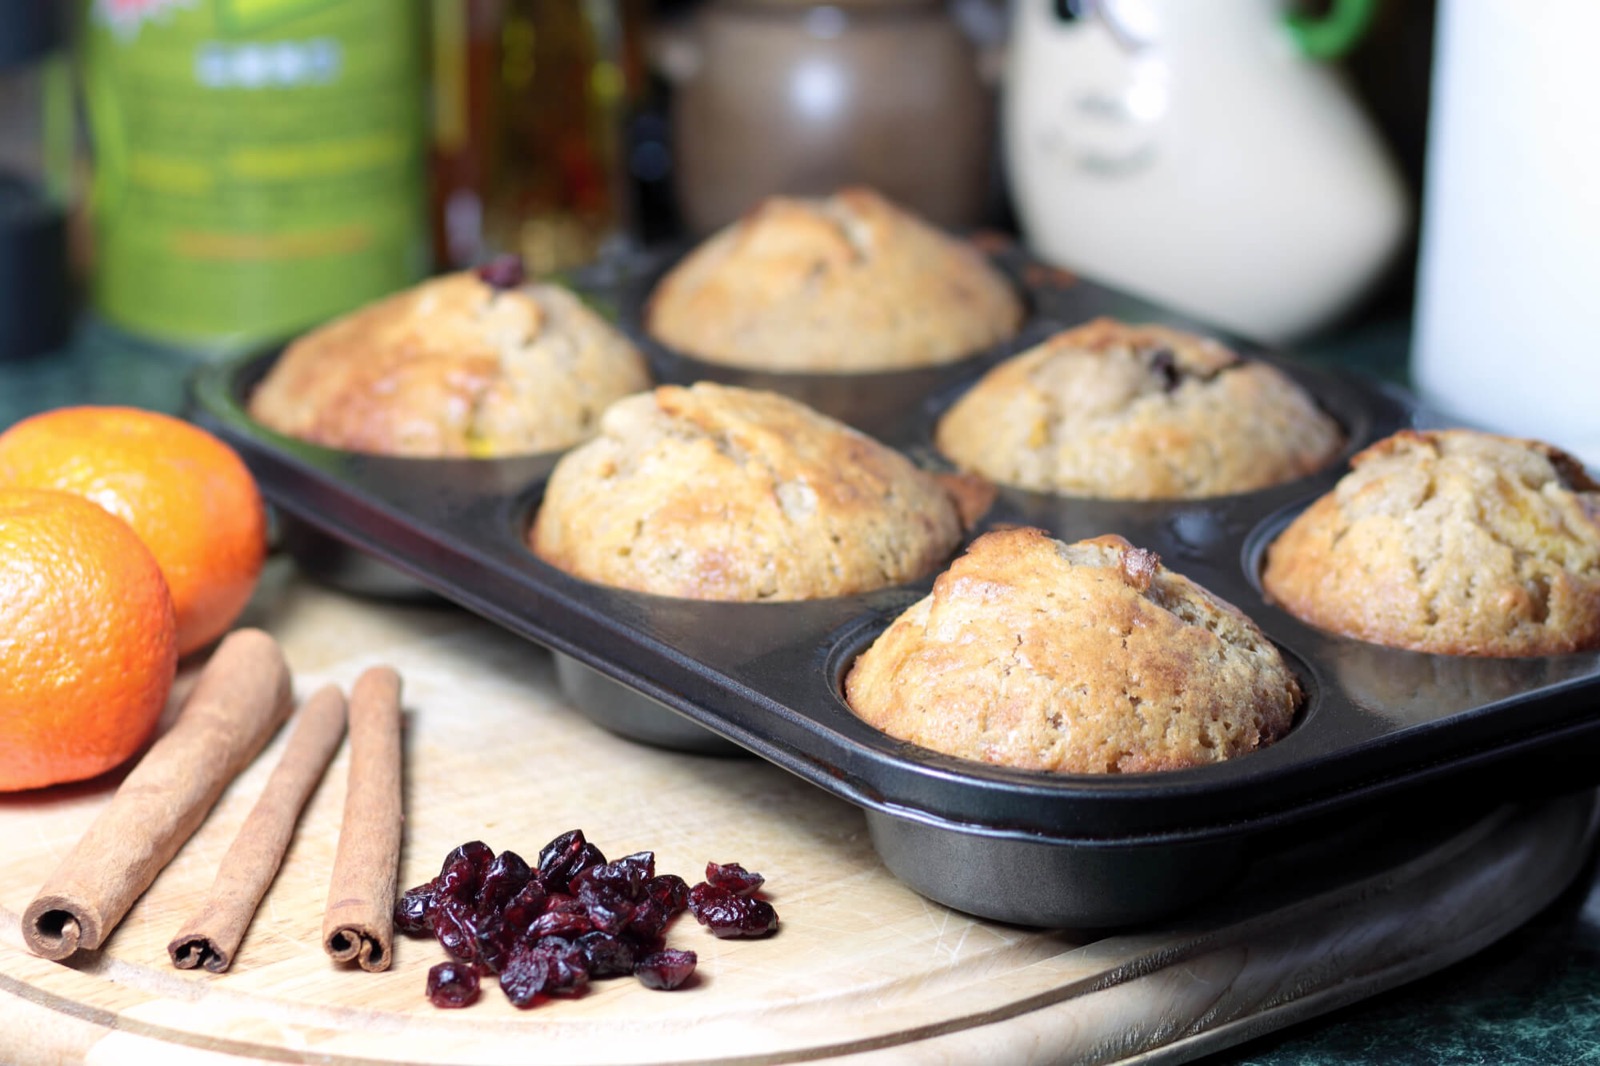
(532,98)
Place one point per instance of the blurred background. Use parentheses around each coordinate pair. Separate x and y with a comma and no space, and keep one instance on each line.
(211,175)
(233,170)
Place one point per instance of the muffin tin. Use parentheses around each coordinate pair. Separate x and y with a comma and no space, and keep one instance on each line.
(1389,741)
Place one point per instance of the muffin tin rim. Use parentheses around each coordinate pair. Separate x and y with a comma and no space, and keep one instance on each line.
(625,291)
(1079,786)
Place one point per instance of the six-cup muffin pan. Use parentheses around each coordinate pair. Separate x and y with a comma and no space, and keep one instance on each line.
(1389,741)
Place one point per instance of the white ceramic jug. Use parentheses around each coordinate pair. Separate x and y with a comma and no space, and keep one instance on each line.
(1506,310)
(1202,155)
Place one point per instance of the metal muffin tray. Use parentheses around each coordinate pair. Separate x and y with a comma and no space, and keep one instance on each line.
(1389,742)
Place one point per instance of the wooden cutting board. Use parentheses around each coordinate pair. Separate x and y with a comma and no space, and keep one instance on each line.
(861,967)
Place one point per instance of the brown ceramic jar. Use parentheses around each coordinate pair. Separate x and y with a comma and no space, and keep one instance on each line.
(779,96)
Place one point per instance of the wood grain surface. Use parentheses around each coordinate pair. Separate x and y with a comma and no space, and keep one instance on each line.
(862,967)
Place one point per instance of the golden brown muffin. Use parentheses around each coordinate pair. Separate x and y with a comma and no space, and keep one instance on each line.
(1449,541)
(720,493)
(1074,658)
(453,367)
(846,284)
(1120,411)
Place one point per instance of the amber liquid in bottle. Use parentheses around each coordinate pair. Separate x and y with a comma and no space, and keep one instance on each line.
(532,97)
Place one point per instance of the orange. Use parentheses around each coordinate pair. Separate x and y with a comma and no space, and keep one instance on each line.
(88,639)
(186,493)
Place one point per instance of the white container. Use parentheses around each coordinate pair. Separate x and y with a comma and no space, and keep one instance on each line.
(1508,317)
(1193,153)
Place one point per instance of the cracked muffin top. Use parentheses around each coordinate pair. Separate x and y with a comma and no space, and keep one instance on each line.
(845,284)
(1449,541)
(1074,658)
(454,367)
(720,493)
(1121,411)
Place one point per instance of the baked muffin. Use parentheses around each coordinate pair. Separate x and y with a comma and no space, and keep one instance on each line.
(1449,541)
(456,366)
(1074,658)
(845,284)
(1122,411)
(720,493)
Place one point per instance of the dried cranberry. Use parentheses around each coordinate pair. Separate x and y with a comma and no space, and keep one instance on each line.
(525,974)
(455,925)
(588,858)
(569,970)
(1164,364)
(561,903)
(558,859)
(559,923)
(606,954)
(463,870)
(669,890)
(648,921)
(475,851)
(507,875)
(496,939)
(665,969)
(503,272)
(522,911)
(627,875)
(451,984)
(412,909)
(554,967)
(606,907)
(666,896)
(729,916)
(642,862)
(734,878)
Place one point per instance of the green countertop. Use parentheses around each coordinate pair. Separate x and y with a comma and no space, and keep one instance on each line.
(1532,998)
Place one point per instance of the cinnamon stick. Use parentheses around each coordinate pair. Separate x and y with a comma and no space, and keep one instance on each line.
(239,700)
(359,922)
(213,934)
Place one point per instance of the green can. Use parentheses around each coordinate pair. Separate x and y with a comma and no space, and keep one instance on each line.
(258,164)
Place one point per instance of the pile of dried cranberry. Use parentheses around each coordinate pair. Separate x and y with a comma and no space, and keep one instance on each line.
(548,930)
